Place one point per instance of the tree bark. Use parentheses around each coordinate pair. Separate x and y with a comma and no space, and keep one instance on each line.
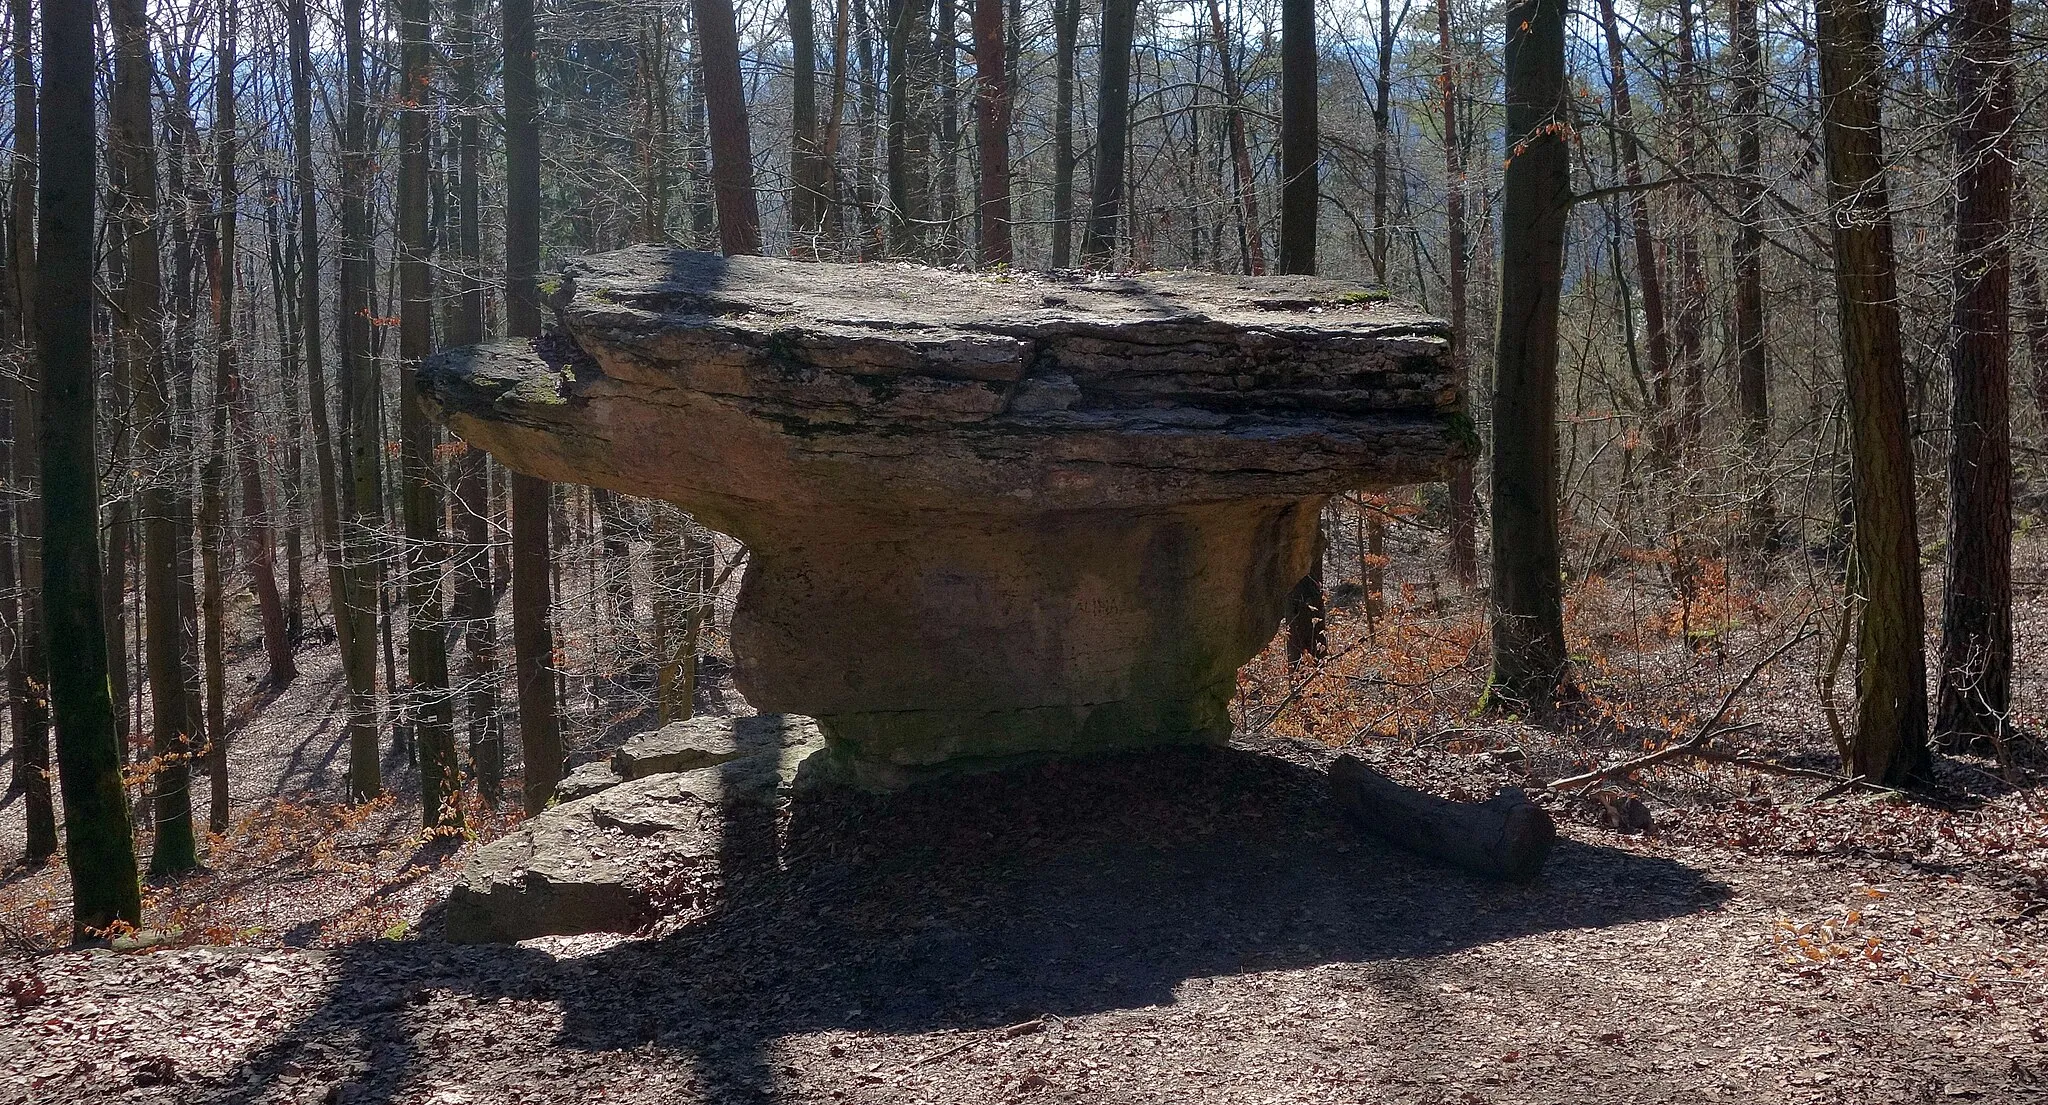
(1529,660)
(426,636)
(1657,332)
(101,851)
(1752,376)
(1976,616)
(1112,132)
(1464,495)
(362,492)
(806,168)
(732,155)
(32,729)
(992,131)
(1066,32)
(1251,245)
(1889,744)
(533,647)
(1298,137)
(475,599)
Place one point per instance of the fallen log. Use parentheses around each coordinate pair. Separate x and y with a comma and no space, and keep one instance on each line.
(1505,837)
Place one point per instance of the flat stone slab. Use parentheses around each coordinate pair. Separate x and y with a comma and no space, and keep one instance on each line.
(992,516)
(613,861)
(710,741)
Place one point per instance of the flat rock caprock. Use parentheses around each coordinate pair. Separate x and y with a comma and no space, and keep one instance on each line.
(992,515)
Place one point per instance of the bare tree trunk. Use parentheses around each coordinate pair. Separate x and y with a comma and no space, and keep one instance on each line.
(362,491)
(1663,430)
(1240,150)
(533,647)
(1976,614)
(32,733)
(1066,32)
(992,131)
(1112,127)
(1692,274)
(1889,744)
(908,151)
(475,599)
(1298,138)
(1464,495)
(426,637)
(732,156)
(1382,120)
(806,168)
(1752,375)
(101,849)
(1529,660)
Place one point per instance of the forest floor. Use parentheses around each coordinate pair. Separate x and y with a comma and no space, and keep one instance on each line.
(1191,926)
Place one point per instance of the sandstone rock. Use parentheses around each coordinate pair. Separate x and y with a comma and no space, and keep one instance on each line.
(710,741)
(992,516)
(586,781)
(611,861)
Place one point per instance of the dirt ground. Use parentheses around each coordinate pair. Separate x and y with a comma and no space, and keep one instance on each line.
(1193,926)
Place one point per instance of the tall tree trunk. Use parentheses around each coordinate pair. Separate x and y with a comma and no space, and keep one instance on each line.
(304,186)
(132,145)
(426,637)
(992,131)
(101,851)
(362,490)
(1240,150)
(1657,334)
(1691,327)
(32,734)
(1066,33)
(1464,495)
(1382,120)
(533,647)
(806,162)
(732,155)
(1298,137)
(1976,612)
(259,536)
(946,55)
(908,142)
(475,598)
(1752,377)
(1889,744)
(1529,660)
(1298,152)
(1112,132)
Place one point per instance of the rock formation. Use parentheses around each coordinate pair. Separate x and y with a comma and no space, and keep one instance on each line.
(992,515)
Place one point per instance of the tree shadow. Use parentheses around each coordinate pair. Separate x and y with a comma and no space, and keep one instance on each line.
(1062,889)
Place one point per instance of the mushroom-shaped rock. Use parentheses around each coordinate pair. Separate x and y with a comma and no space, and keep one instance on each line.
(992,514)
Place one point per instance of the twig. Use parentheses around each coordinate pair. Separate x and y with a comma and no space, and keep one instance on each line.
(1694,746)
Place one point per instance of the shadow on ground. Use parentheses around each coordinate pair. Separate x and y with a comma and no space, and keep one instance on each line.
(1061,889)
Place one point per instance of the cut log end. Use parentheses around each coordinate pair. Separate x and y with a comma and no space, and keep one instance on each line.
(1506,837)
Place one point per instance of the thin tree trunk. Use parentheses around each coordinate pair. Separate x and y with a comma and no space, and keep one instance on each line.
(1690,331)
(1657,333)
(32,735)
(426,637)
(1976,616)
(1752,375)
(1066,33)
(533,648)
(992,131)
(1889,744)
(362,491)
(1112,126)
(1382,120)
(1464,495)
(475,599)
(806,165)
(908,142)
(1240,150)
(1529,660)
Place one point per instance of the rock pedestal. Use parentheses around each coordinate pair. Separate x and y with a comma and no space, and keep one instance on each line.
(992,515)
